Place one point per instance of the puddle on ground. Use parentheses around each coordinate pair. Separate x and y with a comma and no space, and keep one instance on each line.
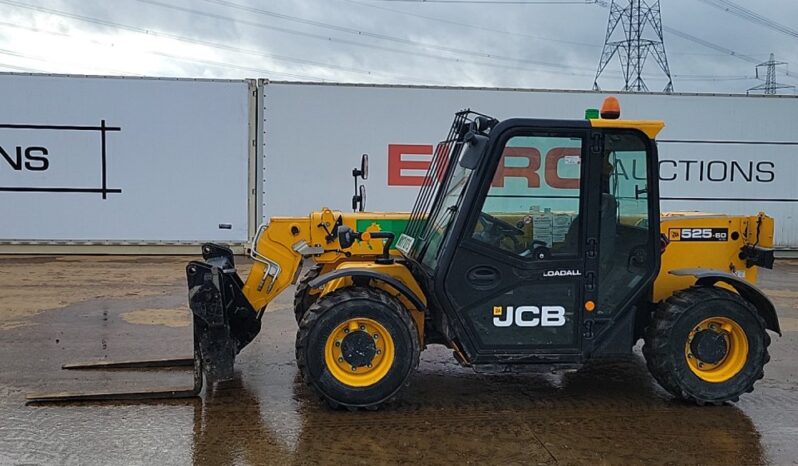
(607,412)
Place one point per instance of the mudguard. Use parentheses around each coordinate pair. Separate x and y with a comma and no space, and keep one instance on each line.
(707,277)
(224,320)
(372,275)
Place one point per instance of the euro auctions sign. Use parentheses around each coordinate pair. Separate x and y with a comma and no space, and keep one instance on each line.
(725,154)
(408,163)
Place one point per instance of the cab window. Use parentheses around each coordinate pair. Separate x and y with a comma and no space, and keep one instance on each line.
(532,204)
(624,236)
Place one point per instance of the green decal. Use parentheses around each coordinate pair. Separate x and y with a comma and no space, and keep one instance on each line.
(396,226)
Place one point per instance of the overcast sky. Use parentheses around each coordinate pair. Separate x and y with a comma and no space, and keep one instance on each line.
(388,41)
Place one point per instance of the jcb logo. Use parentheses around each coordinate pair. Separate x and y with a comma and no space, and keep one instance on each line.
(529,316)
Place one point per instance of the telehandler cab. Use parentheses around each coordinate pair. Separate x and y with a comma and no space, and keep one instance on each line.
(533,244)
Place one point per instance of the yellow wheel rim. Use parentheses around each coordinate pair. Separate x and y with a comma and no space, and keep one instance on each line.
(359,352)
(731,362)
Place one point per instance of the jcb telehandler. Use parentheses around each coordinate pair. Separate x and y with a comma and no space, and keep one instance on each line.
(533,244)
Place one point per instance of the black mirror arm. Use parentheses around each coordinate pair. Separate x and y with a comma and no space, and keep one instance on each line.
(385,257)
(347,237)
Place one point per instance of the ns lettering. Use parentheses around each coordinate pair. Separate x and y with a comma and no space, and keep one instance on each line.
(26,158)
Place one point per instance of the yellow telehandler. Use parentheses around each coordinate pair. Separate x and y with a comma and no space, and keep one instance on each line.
(533,245)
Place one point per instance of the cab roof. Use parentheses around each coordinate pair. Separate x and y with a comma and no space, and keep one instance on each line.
(650,127)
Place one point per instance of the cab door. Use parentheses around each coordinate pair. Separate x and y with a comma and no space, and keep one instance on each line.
(523,264)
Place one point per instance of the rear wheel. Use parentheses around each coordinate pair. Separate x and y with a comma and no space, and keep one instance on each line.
(302,297)
(706,345)
(357,347)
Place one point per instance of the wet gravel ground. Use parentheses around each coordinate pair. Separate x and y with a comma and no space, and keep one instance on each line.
(55,310)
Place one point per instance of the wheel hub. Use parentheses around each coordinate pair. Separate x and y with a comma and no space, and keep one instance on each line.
(716,349)
(359,352)
(358,349)
(709,346)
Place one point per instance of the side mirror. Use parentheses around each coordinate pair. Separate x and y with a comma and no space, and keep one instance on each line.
(481,124)
(346,237)
(363,172)
(362,198)
(359,199)
(475,145)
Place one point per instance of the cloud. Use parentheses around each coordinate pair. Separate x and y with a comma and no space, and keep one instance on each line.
(542,46)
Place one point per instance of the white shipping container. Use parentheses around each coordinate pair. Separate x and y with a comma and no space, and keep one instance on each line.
(107,160)
(718,153)
(125,160)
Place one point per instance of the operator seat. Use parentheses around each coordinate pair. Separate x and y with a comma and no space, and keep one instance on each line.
(608,218)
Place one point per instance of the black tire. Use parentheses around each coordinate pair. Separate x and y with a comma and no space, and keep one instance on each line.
(329,312)
(666,335)
(302,297)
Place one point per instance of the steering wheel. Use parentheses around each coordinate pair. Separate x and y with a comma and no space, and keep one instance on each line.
(494,230)
(538,250)
(505,227)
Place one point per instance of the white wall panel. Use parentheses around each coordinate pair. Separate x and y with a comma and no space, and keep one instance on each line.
(730,154)
(123,159)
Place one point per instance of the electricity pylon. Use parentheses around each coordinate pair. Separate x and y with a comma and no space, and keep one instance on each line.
(641,24)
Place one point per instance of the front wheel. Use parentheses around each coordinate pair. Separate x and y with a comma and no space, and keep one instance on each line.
(706,345)
(357,347)
(303,299)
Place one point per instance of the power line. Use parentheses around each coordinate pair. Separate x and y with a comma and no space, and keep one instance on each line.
(150,32)
(471,26)
(504,32)
(709,77)
(153,33)
(225,47)
(238,67)
(705,43)
(684,77)
(751,16)
(719,48)
(49,60)
(356,32)
(22,68)
(532,36)
(499,2)
(361,34)
(713,46)
(296,19)
(165,55)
